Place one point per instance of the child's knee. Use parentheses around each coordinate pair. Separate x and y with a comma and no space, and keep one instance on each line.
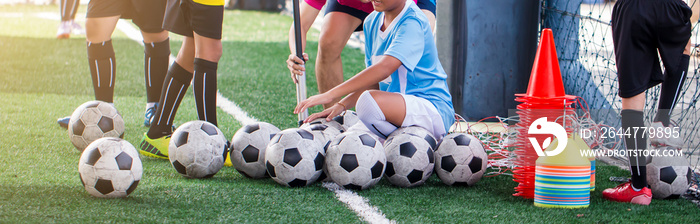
(367,107)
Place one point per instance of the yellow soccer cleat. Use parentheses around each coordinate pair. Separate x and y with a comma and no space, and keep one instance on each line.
(157,148)
(227,161)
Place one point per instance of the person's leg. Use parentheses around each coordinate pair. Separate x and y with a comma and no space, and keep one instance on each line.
(174,88)
(335,33)
(156,60)
(101,56)
(382,112)
(429,8)
(207,54)
(68,10)
(637,70)
(671,88)
(632,118)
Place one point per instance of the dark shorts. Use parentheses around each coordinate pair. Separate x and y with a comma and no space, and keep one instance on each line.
(427,5)
(186,17)
(146,14)
(334,6)
(640,29)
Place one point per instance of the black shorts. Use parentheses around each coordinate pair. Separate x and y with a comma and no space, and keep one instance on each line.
(427,5)
(186,17)
(335,6)
(146,14)
(640,28)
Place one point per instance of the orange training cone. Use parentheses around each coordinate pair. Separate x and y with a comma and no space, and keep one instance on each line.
(545,97)
(545,78)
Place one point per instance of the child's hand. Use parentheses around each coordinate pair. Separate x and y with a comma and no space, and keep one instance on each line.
(312,101)
(329,113)
(296,65)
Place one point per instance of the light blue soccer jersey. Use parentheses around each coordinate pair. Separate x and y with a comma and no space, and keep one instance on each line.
(409,39)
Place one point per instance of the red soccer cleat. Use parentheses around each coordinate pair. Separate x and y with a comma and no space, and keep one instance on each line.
(625,193)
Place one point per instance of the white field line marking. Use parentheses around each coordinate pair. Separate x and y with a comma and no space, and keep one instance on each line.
(358,204)
(222,102)
(355,202)
(231,108)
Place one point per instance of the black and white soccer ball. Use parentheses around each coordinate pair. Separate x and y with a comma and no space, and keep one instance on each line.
(110,168)
(356,160)
(415,131)
(197,149)
(332,124)
(409,160)
(347,119)
(669,176)
(93,120)
(325,135)
(248,148)
(460,159)
(294,158)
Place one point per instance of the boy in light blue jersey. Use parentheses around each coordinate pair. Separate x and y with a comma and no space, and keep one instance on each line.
(402,58)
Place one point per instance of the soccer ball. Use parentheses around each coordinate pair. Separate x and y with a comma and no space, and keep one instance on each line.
(415,131)
(347,119)
(325,135)
(460,160)
(332,124)
(409,160)
(355,160)
(294,158)
(325,132)
(248,148)
(93,120)
(668,177)
(197,149)
(110,168)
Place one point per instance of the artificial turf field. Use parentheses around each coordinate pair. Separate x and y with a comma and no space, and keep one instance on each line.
(44,79)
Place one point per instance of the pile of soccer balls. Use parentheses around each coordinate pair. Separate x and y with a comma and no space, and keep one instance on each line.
(341,152)
(111,167)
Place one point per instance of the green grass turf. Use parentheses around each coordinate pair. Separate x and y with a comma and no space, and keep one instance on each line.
(44,79)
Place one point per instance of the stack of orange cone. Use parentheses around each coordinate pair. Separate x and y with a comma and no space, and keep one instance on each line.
(545,97)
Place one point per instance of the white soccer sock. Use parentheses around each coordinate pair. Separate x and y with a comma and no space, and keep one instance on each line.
(372,116)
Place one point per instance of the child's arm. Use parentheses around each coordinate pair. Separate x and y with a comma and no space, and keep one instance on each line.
(353,87)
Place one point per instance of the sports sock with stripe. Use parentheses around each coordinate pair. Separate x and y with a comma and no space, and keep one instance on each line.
(632,119)
(103,67)
(671,90)
(205,89)
(371,115)
(156,60)
(68,9)
(175,86)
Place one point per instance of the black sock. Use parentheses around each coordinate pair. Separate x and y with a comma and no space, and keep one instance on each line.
(102,68)
(204,87)
(632,119)
(671,90)
(175,86)
(68,9)
(156,60)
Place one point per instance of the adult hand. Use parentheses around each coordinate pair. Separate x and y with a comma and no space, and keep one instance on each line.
(296,65)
